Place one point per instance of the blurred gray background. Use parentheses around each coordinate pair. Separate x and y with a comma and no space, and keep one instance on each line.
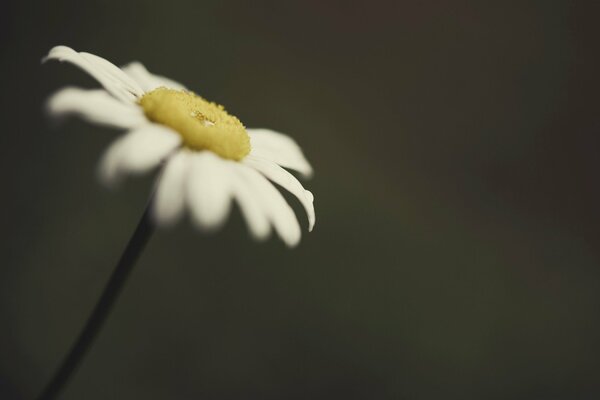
(455,254)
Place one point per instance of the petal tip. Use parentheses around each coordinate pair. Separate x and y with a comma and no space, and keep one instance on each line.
(52,54)
(162,220)
(307,171)
(108,179)
(292,243)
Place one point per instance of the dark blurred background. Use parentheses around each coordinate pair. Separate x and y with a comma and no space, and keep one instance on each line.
(456,249)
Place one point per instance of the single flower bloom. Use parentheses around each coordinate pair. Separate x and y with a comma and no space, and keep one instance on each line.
(207,157)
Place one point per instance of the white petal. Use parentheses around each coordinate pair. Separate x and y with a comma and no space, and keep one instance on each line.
(137,151)
(283,178)
(250,203)
(147,80)
(208,190)
(110,76)
(274,205)
(114,73)
(169,200)
(95,106)
(279,148)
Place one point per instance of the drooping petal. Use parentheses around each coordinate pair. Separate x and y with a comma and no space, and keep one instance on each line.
(278,211)
(147,80)
(169,201)
(208,190)
(283,178)
(114,73)
(110,76)
(137,152)
(250,203)
(95,106)
(279,148)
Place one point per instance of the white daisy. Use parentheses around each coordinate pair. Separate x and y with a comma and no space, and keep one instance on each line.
(207,157)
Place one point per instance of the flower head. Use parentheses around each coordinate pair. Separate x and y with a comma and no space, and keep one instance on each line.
(206,155)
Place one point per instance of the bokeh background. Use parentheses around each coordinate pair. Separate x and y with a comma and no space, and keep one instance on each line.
(456,249)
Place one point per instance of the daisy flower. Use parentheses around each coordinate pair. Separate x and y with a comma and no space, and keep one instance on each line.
(207,158)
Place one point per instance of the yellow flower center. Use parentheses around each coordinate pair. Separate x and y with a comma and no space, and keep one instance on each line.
(202,125)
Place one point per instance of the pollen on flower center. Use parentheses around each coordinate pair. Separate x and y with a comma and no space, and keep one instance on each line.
(202,125)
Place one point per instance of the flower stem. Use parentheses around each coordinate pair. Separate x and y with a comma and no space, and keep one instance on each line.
(111,292)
